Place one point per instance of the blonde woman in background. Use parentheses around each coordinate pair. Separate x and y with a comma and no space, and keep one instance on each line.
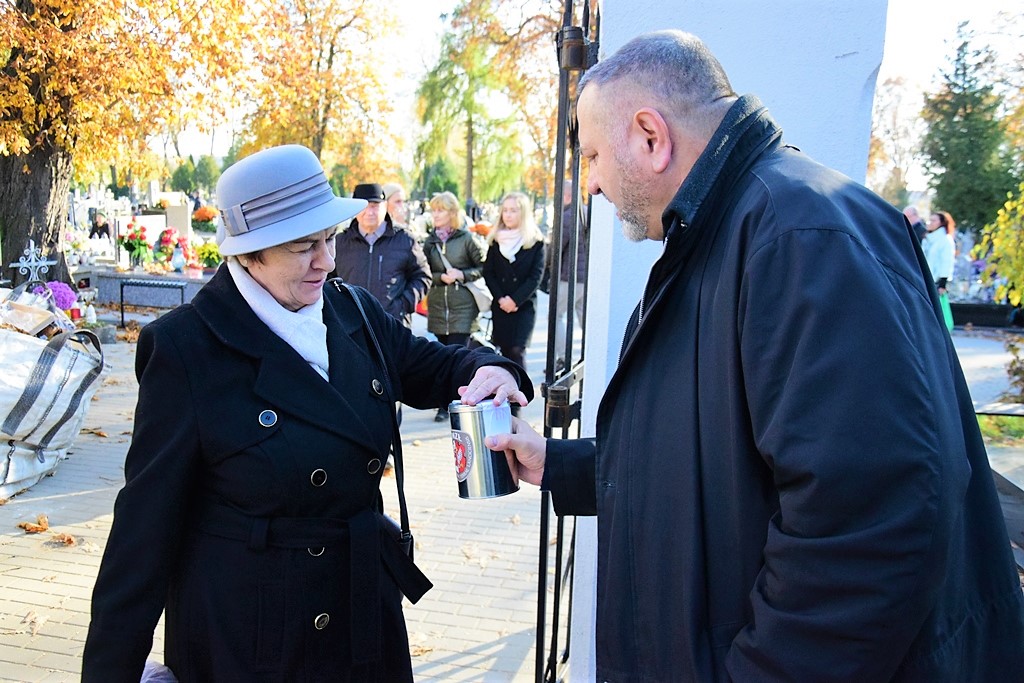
(455,257)
(513,270)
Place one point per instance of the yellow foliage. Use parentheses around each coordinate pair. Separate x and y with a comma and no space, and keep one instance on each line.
(1002,247)
(97,78)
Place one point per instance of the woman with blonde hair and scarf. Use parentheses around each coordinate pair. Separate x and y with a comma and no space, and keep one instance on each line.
(513,270)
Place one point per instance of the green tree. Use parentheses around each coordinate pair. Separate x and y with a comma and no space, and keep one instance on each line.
(451,103)
(966,144)
(206,174)
(184,177)
(439,176)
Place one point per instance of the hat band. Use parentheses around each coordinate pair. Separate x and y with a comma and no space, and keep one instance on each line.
(288,202)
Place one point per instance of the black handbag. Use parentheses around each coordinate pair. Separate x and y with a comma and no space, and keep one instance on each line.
(401,532)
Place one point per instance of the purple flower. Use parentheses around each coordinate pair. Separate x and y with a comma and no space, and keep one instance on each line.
(63,295)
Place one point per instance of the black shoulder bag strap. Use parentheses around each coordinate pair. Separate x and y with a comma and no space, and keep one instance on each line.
(396,438)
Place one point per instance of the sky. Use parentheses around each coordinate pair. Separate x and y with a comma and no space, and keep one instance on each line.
(920,33)
(919,38)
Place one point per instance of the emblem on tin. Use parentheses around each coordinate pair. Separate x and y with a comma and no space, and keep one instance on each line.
(462,446)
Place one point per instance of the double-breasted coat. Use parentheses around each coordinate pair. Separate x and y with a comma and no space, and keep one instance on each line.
(519,280)
(251,507)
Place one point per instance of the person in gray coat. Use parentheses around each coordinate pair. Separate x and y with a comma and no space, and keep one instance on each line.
(382,258)
(788,475)
(251,513)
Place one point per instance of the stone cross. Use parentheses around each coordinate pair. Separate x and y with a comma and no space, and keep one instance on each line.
(32,263)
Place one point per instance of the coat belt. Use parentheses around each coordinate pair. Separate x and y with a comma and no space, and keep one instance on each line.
(368,535)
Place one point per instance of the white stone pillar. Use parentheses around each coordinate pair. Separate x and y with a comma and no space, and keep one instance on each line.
(813,64)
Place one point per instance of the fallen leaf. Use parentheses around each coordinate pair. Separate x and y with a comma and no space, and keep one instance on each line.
(515,519)
(49,579)
(35,621)
(420,650)
(417,443)
(41,524)
(90,547)
(93,430)
(65,539)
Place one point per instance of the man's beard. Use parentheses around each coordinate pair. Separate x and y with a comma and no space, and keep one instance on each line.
(635,198)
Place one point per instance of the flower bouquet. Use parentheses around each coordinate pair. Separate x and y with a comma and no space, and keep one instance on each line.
(208,254)
(204,219)
(134,241)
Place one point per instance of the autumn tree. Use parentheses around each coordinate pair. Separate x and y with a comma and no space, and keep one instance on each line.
(326,88)
(965,144)
(494,92)
(84,84)
(895,135)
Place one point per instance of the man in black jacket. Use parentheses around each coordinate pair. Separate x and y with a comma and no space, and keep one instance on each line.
(386,260)
(788,476)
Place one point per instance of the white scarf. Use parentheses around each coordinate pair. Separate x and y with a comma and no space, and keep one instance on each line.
(303,330)
(509,243)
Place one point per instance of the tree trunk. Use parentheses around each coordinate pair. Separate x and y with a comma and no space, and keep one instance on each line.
(34,206)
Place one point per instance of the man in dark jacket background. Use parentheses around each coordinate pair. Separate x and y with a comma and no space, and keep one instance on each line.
(788,476)
(386,260)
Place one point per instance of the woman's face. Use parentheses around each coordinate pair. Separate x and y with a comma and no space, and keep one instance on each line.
(935,222)
(510,213)
(442,217)
(294,273)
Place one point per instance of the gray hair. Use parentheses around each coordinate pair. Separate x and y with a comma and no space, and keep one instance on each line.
(676,67)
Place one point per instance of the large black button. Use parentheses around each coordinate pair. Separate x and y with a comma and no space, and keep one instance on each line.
(373,467)
(318,478)
(315,552)
(378,388)
(321,621)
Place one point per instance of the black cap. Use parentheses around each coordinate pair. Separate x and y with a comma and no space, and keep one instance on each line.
(371,192)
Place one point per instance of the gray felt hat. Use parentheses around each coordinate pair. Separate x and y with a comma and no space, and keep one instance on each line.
(275,196)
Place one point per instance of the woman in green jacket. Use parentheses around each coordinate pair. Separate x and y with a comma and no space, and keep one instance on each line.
(455,257)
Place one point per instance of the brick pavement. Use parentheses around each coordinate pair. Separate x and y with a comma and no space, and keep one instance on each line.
(478,623)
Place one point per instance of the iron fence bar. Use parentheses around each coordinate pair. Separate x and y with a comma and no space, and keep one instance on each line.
(575,52)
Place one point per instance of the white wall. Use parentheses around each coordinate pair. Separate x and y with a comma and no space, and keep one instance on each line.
(813,63)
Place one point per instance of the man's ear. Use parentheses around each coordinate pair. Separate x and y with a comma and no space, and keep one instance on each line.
(653,133)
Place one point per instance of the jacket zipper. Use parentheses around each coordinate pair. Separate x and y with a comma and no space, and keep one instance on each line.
(369,270)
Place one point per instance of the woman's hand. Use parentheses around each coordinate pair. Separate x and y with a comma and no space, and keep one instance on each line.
(452,275)
(492,379)
(508,304)
(525,449)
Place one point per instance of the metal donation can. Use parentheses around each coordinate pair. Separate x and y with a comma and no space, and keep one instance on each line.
(481,472)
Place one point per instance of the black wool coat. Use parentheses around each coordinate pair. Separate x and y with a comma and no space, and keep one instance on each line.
(519,280)
(251,508)
(788,476)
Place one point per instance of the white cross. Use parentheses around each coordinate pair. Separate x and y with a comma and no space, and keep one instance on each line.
(32,263)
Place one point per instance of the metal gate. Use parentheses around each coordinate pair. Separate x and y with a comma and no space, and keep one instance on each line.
(563,382)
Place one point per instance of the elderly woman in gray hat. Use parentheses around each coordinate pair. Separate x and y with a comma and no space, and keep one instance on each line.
(251,512)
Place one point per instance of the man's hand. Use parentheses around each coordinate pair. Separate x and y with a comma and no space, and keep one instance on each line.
(525,449)
(492,379)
